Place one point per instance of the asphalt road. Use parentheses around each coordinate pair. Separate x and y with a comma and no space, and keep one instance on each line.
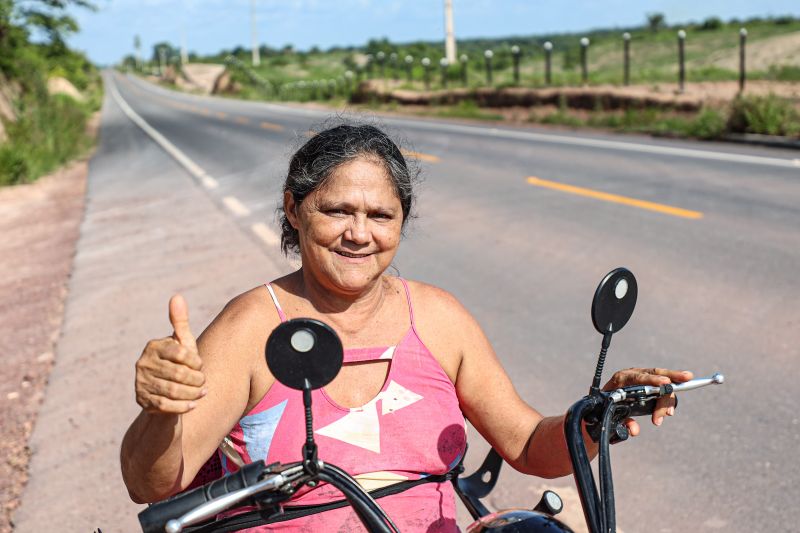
(716,252)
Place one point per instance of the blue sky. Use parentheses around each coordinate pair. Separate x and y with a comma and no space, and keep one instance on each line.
(210,25)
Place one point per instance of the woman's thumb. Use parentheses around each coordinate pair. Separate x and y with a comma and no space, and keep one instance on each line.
(179,318)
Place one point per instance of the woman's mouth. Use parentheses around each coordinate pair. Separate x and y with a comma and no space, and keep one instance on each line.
(351,256)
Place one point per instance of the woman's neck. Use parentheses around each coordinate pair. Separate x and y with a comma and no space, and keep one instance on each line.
(348,310)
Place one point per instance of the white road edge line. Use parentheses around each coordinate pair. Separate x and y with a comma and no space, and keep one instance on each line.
(194,169)
(236,207)
(691,153)
(266,234)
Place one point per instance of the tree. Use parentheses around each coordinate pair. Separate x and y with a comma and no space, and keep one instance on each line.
(169,51)
(656,21)
(49,17)
(711,23)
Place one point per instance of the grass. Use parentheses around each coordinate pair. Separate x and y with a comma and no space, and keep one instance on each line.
(465,109)
(711,55)
(766,115)
(47,134)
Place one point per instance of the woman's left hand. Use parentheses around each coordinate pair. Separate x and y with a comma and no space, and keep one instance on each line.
(665,406)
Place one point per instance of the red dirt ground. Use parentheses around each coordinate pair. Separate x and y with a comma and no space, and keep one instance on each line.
(39,225)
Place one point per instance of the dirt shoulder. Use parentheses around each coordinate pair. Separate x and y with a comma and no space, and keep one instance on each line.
(40,224)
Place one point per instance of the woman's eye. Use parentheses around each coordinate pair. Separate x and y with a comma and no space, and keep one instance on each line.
(382,216)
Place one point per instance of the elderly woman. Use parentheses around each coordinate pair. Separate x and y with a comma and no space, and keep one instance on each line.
(416,361)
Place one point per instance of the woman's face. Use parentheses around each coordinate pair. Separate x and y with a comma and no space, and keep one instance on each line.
(349,228)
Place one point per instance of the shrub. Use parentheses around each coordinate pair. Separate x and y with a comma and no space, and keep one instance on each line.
(48,133)
(769,115)
(709,124)
(711,23)
(783,19)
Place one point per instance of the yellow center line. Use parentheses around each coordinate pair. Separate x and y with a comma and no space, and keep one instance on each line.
(242,120)
(422,157)
(221,115)
(271,126)
(608,197)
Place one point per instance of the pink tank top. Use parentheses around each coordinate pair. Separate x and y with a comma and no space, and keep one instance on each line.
(413,428)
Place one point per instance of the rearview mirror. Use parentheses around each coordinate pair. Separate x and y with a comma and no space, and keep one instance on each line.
(304,353)
(614,301)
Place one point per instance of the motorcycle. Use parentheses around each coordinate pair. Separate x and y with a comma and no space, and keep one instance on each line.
(306,354)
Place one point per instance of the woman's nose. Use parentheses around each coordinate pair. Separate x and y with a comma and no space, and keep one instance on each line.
(358,232)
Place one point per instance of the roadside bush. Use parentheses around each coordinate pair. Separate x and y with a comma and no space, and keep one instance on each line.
(709,124)
(48,133)
(768,115)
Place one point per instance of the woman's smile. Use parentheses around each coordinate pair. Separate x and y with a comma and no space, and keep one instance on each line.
(352,257)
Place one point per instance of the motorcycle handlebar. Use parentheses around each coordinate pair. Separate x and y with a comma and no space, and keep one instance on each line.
(648,392)
(154,519)
(206,502)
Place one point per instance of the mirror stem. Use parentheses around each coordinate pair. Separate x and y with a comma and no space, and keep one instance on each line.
(601,361)
(310,464)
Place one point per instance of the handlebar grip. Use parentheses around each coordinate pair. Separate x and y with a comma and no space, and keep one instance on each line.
(154,518)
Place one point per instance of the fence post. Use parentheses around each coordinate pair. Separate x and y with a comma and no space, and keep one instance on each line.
(393,64)
(548,53)
(381,56)
(584,60)
(515,52)
(370,60)
(409,61)
(443,64)
(488,55)
(626,39)
(681,61)
(464,60)
(348,81)
(742,69)
(426,64)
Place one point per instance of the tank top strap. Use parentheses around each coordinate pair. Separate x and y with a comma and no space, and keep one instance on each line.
(275,301)
(408,299)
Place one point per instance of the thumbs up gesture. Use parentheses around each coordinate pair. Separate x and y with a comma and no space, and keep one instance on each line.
(169,373)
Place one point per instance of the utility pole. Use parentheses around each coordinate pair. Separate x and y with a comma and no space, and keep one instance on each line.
(137,44)
(449,36)
(184,53)
(254,33)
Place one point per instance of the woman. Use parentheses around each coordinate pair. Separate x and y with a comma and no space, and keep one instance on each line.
(416,361)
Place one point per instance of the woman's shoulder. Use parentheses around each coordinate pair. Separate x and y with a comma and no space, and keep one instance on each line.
(435,304)
(250,313)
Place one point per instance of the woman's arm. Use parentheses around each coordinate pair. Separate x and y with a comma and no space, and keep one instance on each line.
(528,441)
(179,426)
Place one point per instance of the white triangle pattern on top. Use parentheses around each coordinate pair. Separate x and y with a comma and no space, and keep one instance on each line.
(361,426)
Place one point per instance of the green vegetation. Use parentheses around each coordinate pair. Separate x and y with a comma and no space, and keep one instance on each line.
(711,55)
(766,115)
(49,129)
(464,109)
(711,52)
(48,134)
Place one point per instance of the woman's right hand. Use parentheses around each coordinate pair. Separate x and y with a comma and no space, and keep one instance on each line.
(169,373)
